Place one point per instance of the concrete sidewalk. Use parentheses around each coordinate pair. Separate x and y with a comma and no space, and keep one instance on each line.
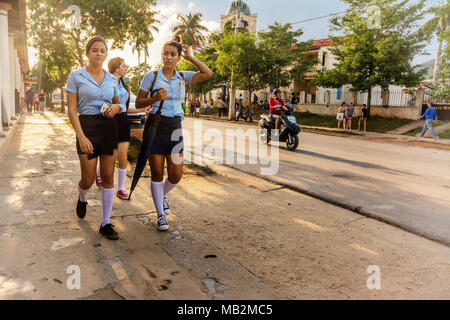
(284,245)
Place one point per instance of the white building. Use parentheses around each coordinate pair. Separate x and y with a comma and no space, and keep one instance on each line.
(13,60)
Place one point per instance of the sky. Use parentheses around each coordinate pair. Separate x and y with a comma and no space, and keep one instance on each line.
(268,12)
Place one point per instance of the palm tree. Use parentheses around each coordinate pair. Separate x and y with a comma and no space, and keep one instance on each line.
(141,30)
(190,29)
(438,25)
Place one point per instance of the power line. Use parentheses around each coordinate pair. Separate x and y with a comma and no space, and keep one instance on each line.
(312,19)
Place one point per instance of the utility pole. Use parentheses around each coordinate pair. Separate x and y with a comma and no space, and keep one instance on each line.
(232,103)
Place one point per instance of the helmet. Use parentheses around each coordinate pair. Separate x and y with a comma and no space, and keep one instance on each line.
(277,91)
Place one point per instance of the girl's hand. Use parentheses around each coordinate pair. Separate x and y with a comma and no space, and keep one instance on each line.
(113,110)
(86,145)
(162,95)
(186,52)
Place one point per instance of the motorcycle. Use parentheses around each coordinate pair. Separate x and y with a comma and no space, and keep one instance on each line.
(290,132)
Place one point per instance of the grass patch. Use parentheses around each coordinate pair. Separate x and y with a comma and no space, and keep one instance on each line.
(445,135)
(375,124)
(205,169)
(413,132)
(133,150)
(68,123)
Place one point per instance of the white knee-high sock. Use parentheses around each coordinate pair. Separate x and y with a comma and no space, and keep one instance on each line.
(157,189)
(108,200)
(168,187)
(121,179)
(99,170)
(83,194)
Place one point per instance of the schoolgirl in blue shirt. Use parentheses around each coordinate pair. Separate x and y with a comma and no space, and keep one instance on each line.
(88,89)
(172,90)
(118,69)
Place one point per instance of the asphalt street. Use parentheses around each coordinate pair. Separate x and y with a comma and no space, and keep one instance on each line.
(406,186)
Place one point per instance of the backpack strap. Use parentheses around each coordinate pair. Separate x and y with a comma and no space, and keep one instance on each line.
(182,75)
(155,76)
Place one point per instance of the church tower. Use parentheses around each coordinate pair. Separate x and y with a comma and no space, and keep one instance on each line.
(240,11)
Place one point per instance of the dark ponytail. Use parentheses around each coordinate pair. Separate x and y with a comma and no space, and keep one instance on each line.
(175,42)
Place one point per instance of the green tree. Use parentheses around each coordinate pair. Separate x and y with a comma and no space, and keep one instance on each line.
(208,55)
(379,55)
(56,49)
(135,76)
(190,29)
(242,57)
(438,25)
(286,55)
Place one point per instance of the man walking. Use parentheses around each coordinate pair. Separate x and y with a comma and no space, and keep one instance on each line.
(41,102)
(429,116)
(30,100)
(221,105)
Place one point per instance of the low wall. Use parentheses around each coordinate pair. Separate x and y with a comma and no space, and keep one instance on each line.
(391,112)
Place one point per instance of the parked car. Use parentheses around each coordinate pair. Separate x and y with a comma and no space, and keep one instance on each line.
(139,117)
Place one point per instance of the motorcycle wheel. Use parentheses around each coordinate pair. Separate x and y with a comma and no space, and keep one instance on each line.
(264,136)
(292,142)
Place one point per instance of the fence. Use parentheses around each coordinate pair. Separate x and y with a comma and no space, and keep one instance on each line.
(398,97)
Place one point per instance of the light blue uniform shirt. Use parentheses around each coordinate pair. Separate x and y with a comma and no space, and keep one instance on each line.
(91,96)
(123,96)
(176,91)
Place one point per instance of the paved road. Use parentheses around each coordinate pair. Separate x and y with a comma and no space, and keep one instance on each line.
(403,185)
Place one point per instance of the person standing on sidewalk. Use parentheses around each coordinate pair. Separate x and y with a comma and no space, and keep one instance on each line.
(198,104)
(429,116)
(341,116)
(363,118)
(172,89)
(350,112)
(205,108)
(221,105)
(88,90)
(41,102)
(30,100)
(36,102)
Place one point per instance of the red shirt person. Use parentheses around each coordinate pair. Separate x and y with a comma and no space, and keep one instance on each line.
(275,105)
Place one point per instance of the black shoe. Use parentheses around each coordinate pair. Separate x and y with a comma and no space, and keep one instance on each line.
(81,209)
(109,232)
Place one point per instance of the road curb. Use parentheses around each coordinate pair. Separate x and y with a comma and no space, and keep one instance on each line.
(9,134)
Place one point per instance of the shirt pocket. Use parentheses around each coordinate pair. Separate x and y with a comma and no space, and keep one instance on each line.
(108,93)
(180,92)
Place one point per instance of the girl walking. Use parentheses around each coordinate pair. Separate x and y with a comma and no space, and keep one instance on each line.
(93,102)
(171,86)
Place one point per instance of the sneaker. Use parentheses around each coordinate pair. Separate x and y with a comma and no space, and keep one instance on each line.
(162,223)
(166,206)
(81,209)
(109,232)
(122,195)
(98,182)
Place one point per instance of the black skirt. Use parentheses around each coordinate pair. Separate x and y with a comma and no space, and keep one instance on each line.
(169,136)
(102,132)
(123,127)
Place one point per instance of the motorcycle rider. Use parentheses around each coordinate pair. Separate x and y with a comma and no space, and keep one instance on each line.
(275,104)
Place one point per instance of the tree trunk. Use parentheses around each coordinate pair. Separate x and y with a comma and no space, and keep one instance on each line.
(250,107)
(437,63)
(369,99)
(139,67)
(79,54)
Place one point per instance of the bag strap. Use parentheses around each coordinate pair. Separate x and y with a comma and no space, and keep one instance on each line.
(155,75)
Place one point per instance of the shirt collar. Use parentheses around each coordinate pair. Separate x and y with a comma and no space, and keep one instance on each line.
(86,74)
(177,74)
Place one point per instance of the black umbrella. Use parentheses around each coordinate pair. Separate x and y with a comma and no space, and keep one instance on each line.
(148,136)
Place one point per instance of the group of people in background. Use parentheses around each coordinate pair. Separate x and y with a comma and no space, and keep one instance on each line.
(346,114)
(36,101)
